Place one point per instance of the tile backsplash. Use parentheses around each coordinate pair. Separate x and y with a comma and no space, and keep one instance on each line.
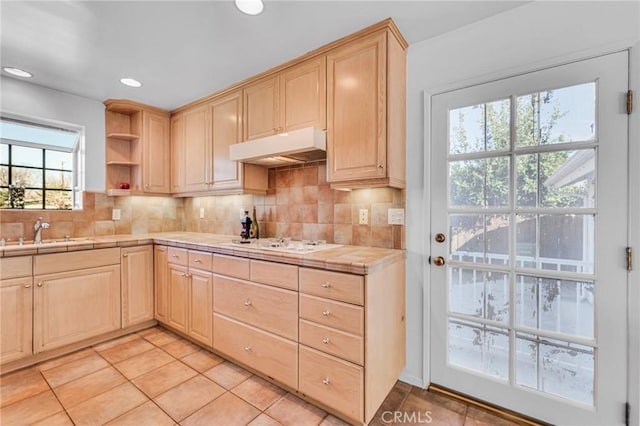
(299,203)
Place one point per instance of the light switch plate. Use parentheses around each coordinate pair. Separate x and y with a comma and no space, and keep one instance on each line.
(395,216)
(363,217)
(115,214)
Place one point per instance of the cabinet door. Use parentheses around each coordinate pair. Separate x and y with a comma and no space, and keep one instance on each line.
(356,110)
(201,307)
(156,176)
(226,130)
(137,285)
(197,150)
(161,275)
(177,153)
(76,305)
(303,95)
(16,302)
(178,297)
(261,116)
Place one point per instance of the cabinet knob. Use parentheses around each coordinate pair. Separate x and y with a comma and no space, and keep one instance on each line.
(326,285)
(325,340)
(326,313)
(125,255)
(325,381)
(247,303)
(380,166)
(40,284)
(27,286)
(248,348)
(175,255)
(198,261)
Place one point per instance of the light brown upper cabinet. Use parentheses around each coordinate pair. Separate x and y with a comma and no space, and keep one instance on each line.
(201,136)
(366,112)
(137,148)
(292,99)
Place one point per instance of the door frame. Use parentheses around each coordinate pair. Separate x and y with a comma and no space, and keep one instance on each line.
(633,214)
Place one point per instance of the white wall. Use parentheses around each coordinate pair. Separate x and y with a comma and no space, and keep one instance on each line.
(26,99)
(530,37)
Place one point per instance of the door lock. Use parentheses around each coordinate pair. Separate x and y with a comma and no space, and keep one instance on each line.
(440,238)
(438,261)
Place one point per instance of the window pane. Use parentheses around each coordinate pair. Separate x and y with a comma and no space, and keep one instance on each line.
(557,179)
(562,306)
(58,199)
(483,127)
(557,116)
(4,198)
(4,175)
(560,368)
(479,183)
(480,348)
(24,156)
(58,180)
(480,238)
(58,160)
(38,134)
(4,153)
(556,242)
(26,177)
(33,199)
(479,294)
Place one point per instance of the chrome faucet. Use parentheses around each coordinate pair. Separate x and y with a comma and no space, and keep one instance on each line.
(38,227)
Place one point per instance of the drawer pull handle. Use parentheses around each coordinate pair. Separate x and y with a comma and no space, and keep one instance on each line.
(175,255)
(325,340)
(198,261)
(27,286)
(247,303)
(248,348)
(326,313)
(325,381)
(326,285)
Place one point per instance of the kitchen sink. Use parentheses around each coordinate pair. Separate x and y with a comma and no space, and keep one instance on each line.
(284,245)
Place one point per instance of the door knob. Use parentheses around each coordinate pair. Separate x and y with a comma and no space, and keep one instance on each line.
(438,261)
(440,238)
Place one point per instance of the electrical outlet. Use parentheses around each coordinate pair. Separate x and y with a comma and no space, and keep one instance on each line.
(363,217)
(201,212)
(115,214)
(395,216)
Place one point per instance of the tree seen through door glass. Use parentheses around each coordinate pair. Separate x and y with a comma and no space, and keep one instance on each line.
(477,128)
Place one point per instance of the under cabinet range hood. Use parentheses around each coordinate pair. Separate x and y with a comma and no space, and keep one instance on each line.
(298,146)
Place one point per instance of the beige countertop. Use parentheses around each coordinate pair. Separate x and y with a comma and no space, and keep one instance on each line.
(351,259)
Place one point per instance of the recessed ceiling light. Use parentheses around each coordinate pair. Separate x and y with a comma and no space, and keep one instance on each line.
(131,82)
(250,7)
(17,72)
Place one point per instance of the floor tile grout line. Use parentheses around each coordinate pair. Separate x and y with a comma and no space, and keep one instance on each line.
(55,395)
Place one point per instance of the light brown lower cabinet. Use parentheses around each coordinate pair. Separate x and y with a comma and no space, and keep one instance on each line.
(189,293)
(16,310)
(75,305)
(137,285)
(272,355)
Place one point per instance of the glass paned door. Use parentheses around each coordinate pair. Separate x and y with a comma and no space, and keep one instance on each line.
(529,178)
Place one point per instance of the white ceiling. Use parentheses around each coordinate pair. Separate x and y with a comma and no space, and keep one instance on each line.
(184,50)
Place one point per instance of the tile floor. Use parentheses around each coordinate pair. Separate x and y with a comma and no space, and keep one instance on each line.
(157,378)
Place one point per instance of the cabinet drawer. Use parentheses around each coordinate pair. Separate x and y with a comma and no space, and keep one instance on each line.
(178,256)
(275,274)
(334,285)
(343,316)
(332,381)
(267,353)
(16,267)
(233,266)
(335,342)
(200,260)
(269,308)
(78,260)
